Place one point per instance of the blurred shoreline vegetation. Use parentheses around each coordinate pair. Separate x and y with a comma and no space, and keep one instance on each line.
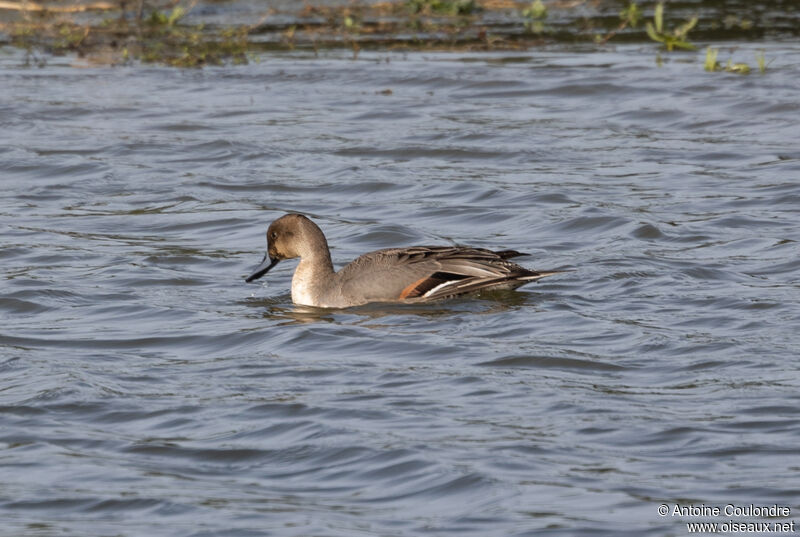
(194,33)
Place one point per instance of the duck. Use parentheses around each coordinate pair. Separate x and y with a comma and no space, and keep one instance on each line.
(398,275)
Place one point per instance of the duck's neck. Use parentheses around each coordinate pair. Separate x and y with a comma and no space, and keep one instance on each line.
(314,270)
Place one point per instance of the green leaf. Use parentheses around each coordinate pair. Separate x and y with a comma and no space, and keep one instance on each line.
(711,63)
(762,61)
(631,14)
(658,17)
(741,68)
(537,10)
(685,45)
(683,30)
(651,32)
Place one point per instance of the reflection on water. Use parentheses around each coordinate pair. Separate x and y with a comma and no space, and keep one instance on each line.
(487,302)
(145,385)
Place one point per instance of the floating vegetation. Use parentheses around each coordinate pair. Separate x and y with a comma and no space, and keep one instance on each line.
(190,46)
(677,38)
(178,33)
(711,64)
(741,68)
(535,15)
(447,7)
(157,38)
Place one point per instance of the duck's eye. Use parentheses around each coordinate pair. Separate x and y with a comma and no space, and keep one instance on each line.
(273,235)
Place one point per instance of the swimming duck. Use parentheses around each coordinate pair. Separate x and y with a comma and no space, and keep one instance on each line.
(414,274)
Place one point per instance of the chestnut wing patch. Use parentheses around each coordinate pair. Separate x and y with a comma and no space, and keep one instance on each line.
(424,285)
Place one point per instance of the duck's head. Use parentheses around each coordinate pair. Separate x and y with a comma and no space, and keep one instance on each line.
(287,237)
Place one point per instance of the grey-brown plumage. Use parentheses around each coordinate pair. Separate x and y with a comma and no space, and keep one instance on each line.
(415,274)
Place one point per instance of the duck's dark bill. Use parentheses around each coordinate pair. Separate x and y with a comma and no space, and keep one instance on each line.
(266,264)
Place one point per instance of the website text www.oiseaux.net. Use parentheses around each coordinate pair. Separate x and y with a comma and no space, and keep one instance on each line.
(730,512)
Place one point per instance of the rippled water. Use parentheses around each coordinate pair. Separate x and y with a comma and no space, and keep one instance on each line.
(146,390)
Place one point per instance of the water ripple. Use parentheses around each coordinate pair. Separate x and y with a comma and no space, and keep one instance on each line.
(147,388)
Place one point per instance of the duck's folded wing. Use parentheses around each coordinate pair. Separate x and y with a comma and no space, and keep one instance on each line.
(430,273)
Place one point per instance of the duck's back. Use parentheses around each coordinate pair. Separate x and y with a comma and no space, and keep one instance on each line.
(423,273)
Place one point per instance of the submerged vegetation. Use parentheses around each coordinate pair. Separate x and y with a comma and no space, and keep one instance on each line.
(181,33)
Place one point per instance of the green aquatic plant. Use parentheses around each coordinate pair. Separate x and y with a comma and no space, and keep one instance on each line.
(711,64)
(443,7)
(677,38)
(535,15)
(352,27)
(629,16)
(159,38)
(134,31)
(761,61)
(351,24)
(70,37)
(190,46)
(162,38)
(732,21)
(740,68)
(159,18)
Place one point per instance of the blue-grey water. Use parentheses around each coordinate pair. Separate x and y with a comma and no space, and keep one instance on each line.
(146,390)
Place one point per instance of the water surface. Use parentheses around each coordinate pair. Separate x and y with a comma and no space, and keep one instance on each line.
(147,390)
